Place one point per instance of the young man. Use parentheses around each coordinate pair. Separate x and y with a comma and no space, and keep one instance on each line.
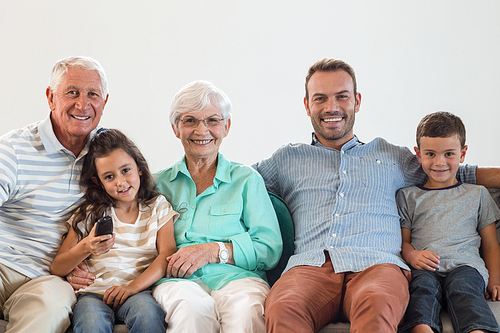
(341,194)
(40,168)
(444,224)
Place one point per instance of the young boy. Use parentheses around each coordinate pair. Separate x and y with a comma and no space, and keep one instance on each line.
(444,223)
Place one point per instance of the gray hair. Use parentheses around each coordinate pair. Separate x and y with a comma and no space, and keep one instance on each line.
(61,68)
(198,96)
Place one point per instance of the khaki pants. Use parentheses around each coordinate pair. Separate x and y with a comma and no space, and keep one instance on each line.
(307,298)
(42,304)
(191,306)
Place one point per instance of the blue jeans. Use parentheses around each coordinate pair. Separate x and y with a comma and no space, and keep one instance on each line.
(140,313)
(461,290)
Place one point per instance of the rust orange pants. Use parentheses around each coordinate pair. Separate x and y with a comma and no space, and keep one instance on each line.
(307,298)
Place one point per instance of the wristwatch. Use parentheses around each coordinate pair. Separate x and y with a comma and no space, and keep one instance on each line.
(223,253)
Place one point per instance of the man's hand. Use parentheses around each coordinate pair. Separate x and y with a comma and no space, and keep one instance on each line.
(80,277)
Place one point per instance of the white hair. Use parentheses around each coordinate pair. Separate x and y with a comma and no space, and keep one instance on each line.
(61,68)
(198,96)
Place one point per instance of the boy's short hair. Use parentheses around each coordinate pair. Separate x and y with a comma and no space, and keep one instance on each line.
(441,124)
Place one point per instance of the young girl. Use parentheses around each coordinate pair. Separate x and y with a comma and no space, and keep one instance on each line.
(118,183)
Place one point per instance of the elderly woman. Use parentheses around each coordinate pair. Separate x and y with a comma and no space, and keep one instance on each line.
(227,233)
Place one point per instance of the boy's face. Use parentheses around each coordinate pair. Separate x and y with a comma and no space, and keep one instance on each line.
(440,159)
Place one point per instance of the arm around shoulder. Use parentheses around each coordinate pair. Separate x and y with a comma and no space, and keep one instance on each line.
(488,176)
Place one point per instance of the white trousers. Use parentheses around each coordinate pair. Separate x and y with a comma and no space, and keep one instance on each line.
(42,304)
(194,307)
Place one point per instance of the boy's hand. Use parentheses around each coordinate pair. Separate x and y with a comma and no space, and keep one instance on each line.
(424,260)
(116,296)
(493,292)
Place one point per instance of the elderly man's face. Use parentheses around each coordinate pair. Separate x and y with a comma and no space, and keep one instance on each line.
(332,107)
(77,105)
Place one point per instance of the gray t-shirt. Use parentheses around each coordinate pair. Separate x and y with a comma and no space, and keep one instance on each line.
(447,222)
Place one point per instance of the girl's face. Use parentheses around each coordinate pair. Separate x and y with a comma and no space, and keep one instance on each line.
(120,176)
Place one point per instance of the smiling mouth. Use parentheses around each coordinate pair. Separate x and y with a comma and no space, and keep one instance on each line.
(125,190)
(333,120)
(440,171)
(80,118)
(201,142)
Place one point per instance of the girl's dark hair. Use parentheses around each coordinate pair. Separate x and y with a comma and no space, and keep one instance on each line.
(96,199)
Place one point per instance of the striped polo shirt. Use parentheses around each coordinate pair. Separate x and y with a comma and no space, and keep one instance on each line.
(39,188)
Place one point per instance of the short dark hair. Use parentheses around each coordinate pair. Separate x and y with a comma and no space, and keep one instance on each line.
(330,65)
(441,124)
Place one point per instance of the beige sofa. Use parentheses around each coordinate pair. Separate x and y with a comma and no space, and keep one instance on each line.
(287,232)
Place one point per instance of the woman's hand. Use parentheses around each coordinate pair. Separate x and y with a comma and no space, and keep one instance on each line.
(100,244)
(188,259)
(117,295)
(80,277)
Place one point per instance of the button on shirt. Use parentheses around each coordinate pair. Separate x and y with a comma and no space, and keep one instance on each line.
(235,209)
(344,201)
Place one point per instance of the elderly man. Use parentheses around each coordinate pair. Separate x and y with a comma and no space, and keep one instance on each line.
(40,168)
(341,194)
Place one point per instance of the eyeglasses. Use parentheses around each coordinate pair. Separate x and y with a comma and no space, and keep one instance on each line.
(193,122)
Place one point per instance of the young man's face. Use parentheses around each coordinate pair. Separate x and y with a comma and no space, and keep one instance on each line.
(332,105)
(440,159)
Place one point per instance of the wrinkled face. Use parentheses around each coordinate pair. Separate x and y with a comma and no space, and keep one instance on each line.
(332,106)
(440,159)
(202,141)
(76,105)
(120,176)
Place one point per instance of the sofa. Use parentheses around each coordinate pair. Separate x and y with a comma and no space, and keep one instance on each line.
(288,235)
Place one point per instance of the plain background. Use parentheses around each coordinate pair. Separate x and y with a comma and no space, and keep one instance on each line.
(410,57)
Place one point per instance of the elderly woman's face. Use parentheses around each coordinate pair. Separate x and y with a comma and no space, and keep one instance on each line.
(202,140)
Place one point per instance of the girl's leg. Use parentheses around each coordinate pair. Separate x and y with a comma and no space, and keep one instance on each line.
(90,314)
(141,313)
(241,305)
(188,307)
(468,309)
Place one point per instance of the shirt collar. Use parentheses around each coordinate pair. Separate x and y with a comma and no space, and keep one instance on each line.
(348,145)
(49,139)
(223,173)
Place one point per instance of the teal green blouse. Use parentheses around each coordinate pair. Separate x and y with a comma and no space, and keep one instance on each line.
(235,209)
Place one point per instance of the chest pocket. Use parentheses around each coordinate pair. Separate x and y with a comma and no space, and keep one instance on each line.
(225,220)
(380,174)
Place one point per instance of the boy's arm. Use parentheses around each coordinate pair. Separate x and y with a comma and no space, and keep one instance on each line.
(488,176)
(491,255)
(165,243)
(423,260)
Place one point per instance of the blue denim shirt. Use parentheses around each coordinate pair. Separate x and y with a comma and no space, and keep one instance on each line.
(345,201)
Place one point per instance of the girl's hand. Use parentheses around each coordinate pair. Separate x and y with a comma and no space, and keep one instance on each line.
(116,296)
(188,259)
(424,260)
(100,244)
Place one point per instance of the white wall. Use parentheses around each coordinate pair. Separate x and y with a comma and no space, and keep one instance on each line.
(411,58)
